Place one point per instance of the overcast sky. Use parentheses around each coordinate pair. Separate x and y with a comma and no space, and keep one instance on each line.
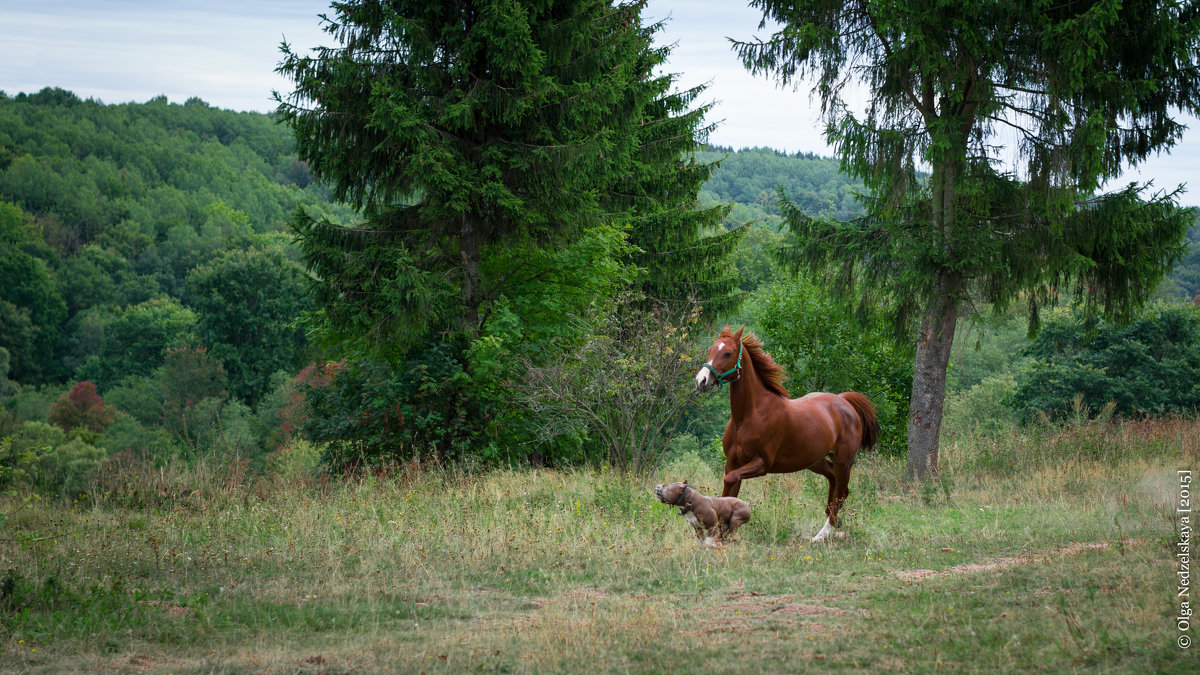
(225,52)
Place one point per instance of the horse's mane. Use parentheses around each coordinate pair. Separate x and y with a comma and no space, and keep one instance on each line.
(770,372)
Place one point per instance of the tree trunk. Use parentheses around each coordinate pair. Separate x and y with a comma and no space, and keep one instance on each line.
(469,245)
(929,383)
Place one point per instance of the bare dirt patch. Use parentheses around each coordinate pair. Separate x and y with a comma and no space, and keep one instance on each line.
(912,575)
(744,610)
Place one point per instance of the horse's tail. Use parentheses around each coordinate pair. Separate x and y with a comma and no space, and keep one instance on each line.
(866,413)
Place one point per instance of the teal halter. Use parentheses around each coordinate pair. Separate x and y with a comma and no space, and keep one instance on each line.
(737,368)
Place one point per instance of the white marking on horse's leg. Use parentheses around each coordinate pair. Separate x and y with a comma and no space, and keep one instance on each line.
(825,530)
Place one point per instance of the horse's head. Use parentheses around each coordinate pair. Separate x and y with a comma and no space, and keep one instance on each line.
(724,361)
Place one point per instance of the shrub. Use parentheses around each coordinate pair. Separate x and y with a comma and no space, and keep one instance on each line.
(368,411)
(33,403)
(140,397)
(71,467)
(983,408)
(1150,367)
(622,389)
(298,459)
(127,434)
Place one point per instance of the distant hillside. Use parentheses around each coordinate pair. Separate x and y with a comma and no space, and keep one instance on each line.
(103,207)
(1184,281)
(751,178)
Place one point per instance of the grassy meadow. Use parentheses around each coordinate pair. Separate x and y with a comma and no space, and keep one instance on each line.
(1039,550)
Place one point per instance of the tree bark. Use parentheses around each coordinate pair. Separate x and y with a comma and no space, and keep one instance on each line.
(469,246)
(929,383)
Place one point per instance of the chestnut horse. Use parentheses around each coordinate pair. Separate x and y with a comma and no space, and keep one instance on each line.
(770,433)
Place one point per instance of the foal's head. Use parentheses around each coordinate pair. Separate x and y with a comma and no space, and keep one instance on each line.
(724,361)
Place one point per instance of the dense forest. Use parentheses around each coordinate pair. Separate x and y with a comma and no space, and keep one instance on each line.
(154,301)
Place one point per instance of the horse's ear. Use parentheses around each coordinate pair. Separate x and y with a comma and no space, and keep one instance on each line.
(726,329)
(738,334)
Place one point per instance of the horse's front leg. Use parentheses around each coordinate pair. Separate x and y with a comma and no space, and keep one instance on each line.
(733,477)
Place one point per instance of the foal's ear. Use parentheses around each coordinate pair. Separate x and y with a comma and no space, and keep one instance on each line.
(738,334)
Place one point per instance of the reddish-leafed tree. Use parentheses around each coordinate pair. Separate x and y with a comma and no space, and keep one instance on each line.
(82,407)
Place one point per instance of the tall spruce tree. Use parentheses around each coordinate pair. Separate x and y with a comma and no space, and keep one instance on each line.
(459,126)
(501,152)
(958,211)
(682,250)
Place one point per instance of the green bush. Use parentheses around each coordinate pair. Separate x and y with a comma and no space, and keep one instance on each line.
(33,403)
(298,459)
(366,411)
(1150,367)
(127,434)
(40,435)
(984,408)
(138,396)
(18,464)
(70,468)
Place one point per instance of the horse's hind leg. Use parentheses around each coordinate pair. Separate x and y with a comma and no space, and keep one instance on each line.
(826,468)
(841,473)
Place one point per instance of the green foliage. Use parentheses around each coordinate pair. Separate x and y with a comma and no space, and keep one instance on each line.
(1184,281)
(135,342)
(512,177)
(491,125)
(296,460)
(127,434)
(70,468)
(33,403)
(823,347)
(679,246)
(44,456)
(107,207)
(140,397)
(986,346)
(31,307)
(983,408)
(1150,367)
(367,412)
(247,302)
(754,257)
(618,395)
(17,462)
(188,377)
(753,176)
(21,454)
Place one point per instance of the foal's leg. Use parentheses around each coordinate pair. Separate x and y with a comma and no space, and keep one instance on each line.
(733,477)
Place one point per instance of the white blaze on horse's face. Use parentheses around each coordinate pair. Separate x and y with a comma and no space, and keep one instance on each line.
(704,377)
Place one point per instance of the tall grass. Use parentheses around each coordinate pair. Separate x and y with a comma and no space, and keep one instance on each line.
(1046,548)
